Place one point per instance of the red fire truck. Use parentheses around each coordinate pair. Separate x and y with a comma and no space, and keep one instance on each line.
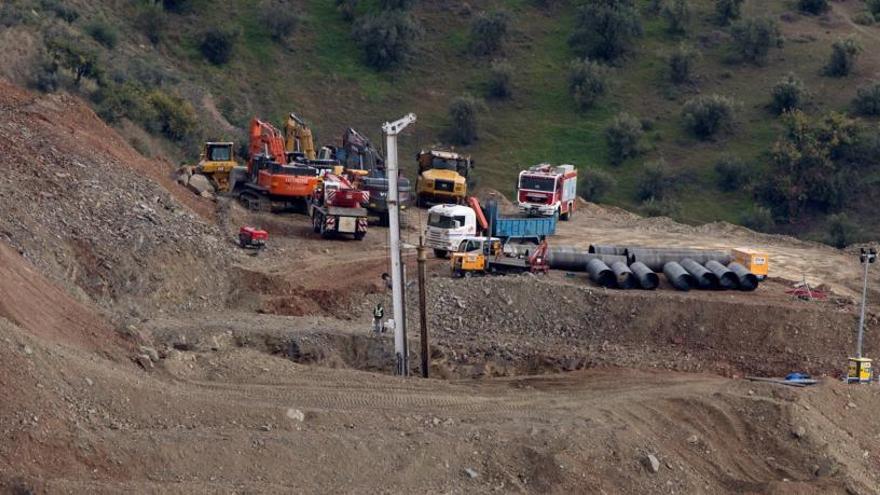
(547,190)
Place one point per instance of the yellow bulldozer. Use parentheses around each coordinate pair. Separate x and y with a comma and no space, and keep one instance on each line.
(443,177)
(216,163)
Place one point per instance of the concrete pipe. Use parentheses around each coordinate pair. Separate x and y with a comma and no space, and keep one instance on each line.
(646,277)
(575,259)
(656,259)
(726,278)
(613,250)
(600,273)
(625,278)
(705,278)
(679,277)
(747,280)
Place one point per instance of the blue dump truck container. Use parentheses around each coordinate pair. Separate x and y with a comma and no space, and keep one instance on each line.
(517,227)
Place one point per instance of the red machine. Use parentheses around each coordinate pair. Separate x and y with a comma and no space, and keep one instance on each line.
(548,190)
(337,207)
(271,179)
(250,237)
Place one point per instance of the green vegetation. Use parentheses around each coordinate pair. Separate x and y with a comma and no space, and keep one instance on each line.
(656,182)
(463,120)
(708,116)
(753,38)
(733,173)
(727,11)
(587,82)
(814,7)
(604,29)
(217,45)
(681,63)
(386,38)
(500,76)
(596,184)
(677,14)
(788,94)
(103,33)
(623,136)
(488,32)
(867,100)
(843,57)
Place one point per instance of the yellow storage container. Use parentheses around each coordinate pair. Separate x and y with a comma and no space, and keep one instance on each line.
(859,370)
(757,262)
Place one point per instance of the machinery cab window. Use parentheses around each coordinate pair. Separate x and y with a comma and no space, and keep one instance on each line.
(220,152)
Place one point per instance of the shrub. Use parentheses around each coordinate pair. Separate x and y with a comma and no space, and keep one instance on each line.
(127,100)
(488,32)
(656,181)
(178,6)
(176,118)
(78,59)
(587,82)
(864,19)
(10,15)
(843,57)
(659,208)
(707,116)
(386,38)
(677,14)
(347,8)
(753,38)
(814,7)
(622,137)
(596,184)
(396,4)
(151,21)
(732,173)
(867,100)
(841,231)
(604,29)
(44,76)
(62,11)
(787,94)
(103,33)
(217,45)
(463,117)
(279,18)
(500,74)
(759,219)
(727,11)
(873,7)
(680,63)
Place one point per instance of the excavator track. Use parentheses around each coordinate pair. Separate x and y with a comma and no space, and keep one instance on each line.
(255,202)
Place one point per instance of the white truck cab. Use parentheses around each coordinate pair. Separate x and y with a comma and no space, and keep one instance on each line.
(448,225)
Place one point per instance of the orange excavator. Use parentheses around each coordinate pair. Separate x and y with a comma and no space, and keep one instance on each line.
(271,180)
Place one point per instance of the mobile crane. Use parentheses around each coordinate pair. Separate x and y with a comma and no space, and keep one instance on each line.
(337,207)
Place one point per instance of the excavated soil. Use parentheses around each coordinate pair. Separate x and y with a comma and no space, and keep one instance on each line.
(141,352)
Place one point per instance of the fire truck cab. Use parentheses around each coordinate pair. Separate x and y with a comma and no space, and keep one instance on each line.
(547,190)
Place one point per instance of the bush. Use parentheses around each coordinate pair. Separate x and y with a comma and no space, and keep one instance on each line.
(753,38)
(44,76)
(864,19)
(347,8)
(733,174)
(387,38)
(843,57)
(622,137)
(656,181)
(759,219)
(596,184)
(103,33)
(178,6)
(62,11)
(10,15)
(873,7)
(587,82)
(677,14)
(151,21)
(707,116)
(176,118)
(217,45)
(279,18)
(500,74)
(787,94)
(680,63)
(82,62)
(841,231)
(659,208)
(463,117)
(127,100)
(604,29)
(396,4)
(727,11)
(867,100)
(814,7)
(488,32)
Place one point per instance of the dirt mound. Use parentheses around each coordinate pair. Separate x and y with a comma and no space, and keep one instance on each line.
(94,215)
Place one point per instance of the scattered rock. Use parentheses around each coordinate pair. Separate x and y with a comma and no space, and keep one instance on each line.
(145,361)
(799,432)
(89,382)
(651,463)
(153,354)
(265,428)
(296,415)
(26,349)
(471,473)
(693,439)
(851,405)
(199,184)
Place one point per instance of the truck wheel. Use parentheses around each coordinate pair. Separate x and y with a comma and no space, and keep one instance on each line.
(440,253)
(359,236)
(316,227)
(383,219)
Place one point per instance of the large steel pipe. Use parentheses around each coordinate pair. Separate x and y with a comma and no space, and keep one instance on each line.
(726,278)
(575,259)
(646,277)
(600,273)
(655,259)
(747,280)
(679,277)
(705,278)
(625,278)
(614,250)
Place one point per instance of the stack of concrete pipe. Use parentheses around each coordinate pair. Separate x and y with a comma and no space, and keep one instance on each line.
(627,267)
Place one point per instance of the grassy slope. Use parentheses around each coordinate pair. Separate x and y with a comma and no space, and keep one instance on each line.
(320,74)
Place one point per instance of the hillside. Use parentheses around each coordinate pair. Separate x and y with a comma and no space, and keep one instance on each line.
(319,71)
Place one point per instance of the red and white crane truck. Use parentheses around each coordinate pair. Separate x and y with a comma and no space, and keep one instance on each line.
(337,207)
(547,190)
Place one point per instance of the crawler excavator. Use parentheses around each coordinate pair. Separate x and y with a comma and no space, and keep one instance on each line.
(269,179)
(298,138)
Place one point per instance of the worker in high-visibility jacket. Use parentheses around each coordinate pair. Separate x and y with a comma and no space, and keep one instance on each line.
(378,314)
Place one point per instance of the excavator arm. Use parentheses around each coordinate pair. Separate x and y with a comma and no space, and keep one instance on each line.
(298,137)
(266,140)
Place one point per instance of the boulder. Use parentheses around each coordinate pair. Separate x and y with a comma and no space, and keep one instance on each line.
(199,183)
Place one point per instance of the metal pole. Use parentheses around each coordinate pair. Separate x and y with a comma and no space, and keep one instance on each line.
(862,314)
(423,316)
(392,129)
